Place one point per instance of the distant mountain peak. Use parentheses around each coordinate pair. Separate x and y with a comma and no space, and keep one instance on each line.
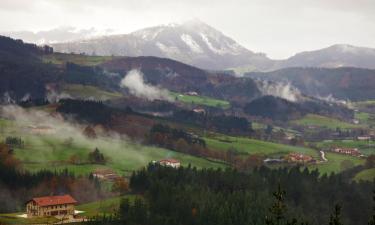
(193,42)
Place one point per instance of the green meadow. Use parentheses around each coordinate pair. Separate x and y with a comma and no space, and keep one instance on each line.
(324,122)
(103,207)
(365,175)
(200,100)
(85,60)
(53,152)
(87,92)
(366,147)
(245,145)
(334,164)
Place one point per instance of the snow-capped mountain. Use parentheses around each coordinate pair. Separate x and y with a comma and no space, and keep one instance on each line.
(57,35)
(192,42)
(339,55)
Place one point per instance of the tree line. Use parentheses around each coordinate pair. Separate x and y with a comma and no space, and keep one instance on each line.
(215,196)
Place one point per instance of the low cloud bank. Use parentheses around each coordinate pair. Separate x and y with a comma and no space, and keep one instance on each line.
(280,89)
(135,83)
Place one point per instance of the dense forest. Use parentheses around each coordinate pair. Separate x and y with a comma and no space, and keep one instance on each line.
(263,196)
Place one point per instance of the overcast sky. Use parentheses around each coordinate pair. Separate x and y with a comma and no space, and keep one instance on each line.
(279,28)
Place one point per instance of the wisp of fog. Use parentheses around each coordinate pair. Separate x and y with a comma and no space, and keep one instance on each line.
(136,85)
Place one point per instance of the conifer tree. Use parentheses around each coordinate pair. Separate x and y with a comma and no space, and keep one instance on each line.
(335,217)
(372,220)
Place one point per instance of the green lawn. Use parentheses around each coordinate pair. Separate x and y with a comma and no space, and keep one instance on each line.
(13,218)
(366,147)
(123,156)
(322,121)
(106,206)
(252,146)
(51,151)
(61,58)
(368,174)
(200,100)
(334,163)
(86,92)
(364,103)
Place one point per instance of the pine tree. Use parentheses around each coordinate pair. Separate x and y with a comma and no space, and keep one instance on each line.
(278,209)
(335,218)
(372,220)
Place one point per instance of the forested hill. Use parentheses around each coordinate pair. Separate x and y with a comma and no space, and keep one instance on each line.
(22,72)
(215,197)
(341,83)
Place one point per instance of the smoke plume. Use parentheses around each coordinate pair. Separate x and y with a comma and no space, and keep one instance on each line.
(280,89)
(135,83)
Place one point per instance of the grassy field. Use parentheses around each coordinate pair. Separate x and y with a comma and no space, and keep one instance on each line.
(322,121)
(14,218)
(366,119)
(367,175)
(366,147)
(364,103)
(200,100)
(334,163)
(87,92)
(123,156)
(51,151)
(252,146)
(60,58)
(106,206)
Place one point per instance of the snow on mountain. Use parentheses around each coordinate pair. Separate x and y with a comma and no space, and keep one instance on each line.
(339,55)
(192,42)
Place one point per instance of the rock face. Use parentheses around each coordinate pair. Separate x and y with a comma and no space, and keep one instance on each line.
(193,42)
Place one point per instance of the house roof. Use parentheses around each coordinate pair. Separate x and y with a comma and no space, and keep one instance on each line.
(54,200)
(169,161)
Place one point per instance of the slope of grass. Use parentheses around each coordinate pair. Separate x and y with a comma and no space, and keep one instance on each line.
(87,92)
(13,218)
(103,207)
(123,156)
(51,151)
(60,58)
(366,147)
(252,146)
(334,163)
(200,100)
(367,175)
(322,121)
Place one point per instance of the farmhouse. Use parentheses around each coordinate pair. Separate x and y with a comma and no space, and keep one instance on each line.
(199,110)
(170,162)
(363,138)
(347,151)
(191,93)
(298,158)
(58,206)
(41,130)
(105,174)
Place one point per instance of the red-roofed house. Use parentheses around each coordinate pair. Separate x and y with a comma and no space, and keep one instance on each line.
(59,206)
(170,162)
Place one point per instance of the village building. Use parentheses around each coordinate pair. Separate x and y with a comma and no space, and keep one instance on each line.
(105,174)
(298,158)
(191,93)
(170,162)
(364,138)
(41,130)
(199,110)
(58,206)
(347,151)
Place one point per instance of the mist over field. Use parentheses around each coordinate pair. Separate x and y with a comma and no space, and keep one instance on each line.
(196,112)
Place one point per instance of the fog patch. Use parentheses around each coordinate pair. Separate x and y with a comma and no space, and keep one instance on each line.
(136,85)
(280,89)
